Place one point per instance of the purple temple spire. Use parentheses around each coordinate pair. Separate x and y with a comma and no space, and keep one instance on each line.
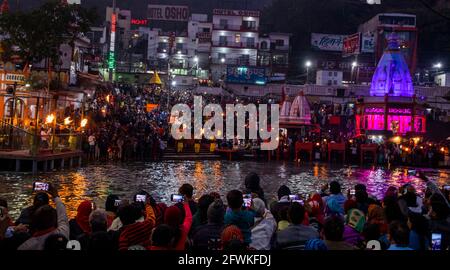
(392,75)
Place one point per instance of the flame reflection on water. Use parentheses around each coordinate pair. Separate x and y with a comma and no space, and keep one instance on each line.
(161,179)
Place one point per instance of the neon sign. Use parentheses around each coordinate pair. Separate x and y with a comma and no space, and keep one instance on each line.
(139,21)
(406,111)
(112,44)
(374,110)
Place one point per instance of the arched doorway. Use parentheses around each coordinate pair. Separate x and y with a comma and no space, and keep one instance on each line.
(8,111)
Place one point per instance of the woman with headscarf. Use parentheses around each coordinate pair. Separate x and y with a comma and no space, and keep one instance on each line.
(354,226)
(181,226)
(315,211)
(80,224)
(232,239)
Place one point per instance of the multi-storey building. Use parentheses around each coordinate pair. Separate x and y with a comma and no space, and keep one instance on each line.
(273,53)
(404,25)
(235,39)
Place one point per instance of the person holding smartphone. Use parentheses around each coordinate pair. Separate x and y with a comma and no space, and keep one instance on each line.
(47,221)
(239,216)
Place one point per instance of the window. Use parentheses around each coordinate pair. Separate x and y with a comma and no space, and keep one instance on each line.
(335,73)
(179,46)
(264,45)
(237,38)
(279,42)
(205,30)
(223,23)
(335,82)
(251,42)
(244,59)
(222,40)
(249,25)
(329,82)
(330,73)
(221,56)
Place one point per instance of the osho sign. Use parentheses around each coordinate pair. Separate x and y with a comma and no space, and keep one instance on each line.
(168,13)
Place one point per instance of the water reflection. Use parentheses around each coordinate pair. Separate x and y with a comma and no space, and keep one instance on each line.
(163,179)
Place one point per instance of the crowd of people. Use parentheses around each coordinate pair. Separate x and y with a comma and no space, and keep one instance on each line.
(327,219)
(123,128)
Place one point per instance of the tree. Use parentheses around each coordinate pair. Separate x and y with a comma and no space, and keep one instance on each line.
(37,35)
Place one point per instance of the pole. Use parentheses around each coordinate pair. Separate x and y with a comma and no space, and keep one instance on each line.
(169,80)
(13,115)
(35,148)
(112,49)
(307,75)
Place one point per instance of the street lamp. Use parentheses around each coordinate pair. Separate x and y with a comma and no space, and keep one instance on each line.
(437,65)
(354,65)
(222,60)
(307,64)
(174,83)
(196,59)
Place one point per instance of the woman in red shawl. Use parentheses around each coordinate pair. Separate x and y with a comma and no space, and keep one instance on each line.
(315,210)
(80,224)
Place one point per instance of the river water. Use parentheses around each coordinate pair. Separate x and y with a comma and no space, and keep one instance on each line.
(161,179)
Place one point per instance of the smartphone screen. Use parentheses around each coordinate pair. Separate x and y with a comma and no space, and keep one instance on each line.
(436,239)
(177,198)
(352,192)
(412,172)
(447,187)
(40,186)
(247,200)
(293,198)
(117,202)
(141,198)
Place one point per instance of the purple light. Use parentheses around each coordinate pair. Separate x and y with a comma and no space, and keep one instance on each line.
(392,75)
(374,110)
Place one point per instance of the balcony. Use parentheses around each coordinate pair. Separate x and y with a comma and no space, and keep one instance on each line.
(240,45)
(234,61)
(282,48)
(235,27)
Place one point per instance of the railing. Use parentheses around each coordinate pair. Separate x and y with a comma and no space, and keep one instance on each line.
(245,45)
(234,27)
(14,138)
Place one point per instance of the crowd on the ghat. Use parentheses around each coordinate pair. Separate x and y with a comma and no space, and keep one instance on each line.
(123,128)
(329,219)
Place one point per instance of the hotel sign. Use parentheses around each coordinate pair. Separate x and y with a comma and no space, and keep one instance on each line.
(230,12)
(204,37)
(168,13)
(246,75)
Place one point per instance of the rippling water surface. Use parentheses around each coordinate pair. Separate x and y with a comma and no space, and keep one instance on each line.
(161,179)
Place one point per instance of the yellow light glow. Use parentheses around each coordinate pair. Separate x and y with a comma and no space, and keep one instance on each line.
(67,121)
(416,140)
(84,122)
(317,144)
(350,141)
(442,149)
(107,98)
(397,139)
(50,118)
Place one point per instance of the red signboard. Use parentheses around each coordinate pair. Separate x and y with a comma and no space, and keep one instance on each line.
(113,22)
(139,22)
(352,45)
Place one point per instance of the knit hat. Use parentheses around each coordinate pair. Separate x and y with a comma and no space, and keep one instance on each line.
(333,206)
(231,233)
(82,218)
(216,212)
(172,216)
(282,224)
(259,207)
(356,219)
(315,244)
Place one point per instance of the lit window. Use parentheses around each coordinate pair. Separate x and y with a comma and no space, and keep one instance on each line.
(237,38)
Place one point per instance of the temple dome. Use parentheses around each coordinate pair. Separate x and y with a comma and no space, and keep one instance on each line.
(392,76)
(296,112)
